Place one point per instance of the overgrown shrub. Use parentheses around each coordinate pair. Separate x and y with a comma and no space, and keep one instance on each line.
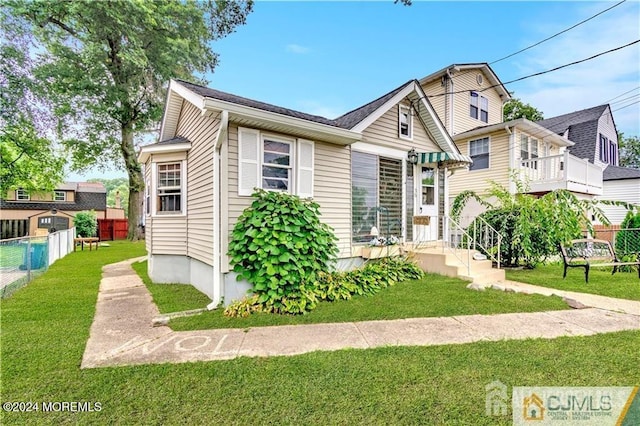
(86,224)
(331,286)
(280,246)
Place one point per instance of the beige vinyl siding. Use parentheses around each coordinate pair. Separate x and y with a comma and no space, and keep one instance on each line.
(169,235)
(466,81)
(331,189)
(200,131)
(384,132)
(478,180)
(432,90)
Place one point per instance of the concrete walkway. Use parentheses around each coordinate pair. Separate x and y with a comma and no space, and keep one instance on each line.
(122,331)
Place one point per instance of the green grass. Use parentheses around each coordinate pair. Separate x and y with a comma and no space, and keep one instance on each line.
(623,285)
(45,327)
(433,296)
(171,297)
(11,255)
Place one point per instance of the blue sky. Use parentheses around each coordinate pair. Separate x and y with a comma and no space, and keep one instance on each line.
(327,58)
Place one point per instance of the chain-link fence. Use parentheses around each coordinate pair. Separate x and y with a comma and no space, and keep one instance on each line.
(23,259)
(626,242)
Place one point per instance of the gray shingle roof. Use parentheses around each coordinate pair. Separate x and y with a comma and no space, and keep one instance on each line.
(83,201)
(175,140)
(345,121)
(583,129)
(620,173)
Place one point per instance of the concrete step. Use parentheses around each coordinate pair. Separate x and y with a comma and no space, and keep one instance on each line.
(436,261)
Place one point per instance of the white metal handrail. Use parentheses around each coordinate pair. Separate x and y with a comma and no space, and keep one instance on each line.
(488,239)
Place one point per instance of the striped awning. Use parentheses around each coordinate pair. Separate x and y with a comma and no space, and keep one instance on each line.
(449,158)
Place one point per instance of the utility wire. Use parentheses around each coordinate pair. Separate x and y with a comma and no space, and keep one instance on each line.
(618,109)
(541,72)
(557,34)
(622,94)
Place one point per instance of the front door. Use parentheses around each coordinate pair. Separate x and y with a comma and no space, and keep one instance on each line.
(427,204)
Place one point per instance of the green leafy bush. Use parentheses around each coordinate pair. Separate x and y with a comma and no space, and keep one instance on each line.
(280,246)
(628,239)
(331,286)
(86,224)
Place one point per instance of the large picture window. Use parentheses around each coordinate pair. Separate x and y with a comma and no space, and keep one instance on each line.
(376,182)
(479,153)
(170,188)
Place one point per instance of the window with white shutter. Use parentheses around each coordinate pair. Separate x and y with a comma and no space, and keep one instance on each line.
(305,168)
(274,163)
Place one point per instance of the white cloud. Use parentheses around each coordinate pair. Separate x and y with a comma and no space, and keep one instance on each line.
(590,83)
(296,48)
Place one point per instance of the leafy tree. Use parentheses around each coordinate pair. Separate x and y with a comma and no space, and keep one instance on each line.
(514,108)
(113,187)
(105,66)
(629,148)
(28,159)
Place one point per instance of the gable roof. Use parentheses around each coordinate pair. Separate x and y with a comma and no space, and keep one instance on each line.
(345,129)
(492,76)
(620,173)
(580,127)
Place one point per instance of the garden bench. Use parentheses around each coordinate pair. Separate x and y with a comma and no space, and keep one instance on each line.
(589,253)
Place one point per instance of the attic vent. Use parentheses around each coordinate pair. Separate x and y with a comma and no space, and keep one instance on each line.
(479,79)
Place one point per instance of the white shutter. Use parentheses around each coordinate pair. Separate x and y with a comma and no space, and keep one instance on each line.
(248,160)
(305,168)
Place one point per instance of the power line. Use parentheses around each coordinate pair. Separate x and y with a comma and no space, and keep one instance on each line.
(541,72)
(618,109)
(622,94)
(557,34)
(625,99)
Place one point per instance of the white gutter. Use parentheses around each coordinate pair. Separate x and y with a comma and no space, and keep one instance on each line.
(217,240)
(450,102)
(512,157)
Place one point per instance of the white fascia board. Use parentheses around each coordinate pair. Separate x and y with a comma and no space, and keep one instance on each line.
(270,117)
(361,126)
(177,90)
(148,150)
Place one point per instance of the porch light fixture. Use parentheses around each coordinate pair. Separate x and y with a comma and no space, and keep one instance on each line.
(412,156)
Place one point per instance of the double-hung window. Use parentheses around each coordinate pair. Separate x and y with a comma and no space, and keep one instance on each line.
(405,125)
(479,153)
(479,107)
(604,149)
(613,154)
(59,196)
(274,163)
(170,188)
(22,195)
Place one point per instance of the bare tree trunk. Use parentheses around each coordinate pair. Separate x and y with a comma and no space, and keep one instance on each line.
(136,183)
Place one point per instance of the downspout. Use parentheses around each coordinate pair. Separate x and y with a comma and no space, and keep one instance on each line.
(512,158)
(217,240)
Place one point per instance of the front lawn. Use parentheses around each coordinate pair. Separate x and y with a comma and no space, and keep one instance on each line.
(434,296)
(622,285)
(45,327)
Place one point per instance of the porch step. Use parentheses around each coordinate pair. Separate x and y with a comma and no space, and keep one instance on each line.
(437,261)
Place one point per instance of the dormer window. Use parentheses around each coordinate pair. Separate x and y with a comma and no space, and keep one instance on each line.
(59,196)
(405,124)
(22,195)
(479,107)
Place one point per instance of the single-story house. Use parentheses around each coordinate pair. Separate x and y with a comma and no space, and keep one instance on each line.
(215,148)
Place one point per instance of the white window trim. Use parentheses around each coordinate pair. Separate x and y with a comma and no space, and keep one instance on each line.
(479,106)
(55,195)
(293,160)
(183,189)
(489,149)
(402,109)
(22,193)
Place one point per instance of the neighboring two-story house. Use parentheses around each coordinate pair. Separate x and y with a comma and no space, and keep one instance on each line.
(593,131)
(29,214)
(469,99)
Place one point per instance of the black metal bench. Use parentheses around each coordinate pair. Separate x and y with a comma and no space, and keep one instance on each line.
(590,253)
